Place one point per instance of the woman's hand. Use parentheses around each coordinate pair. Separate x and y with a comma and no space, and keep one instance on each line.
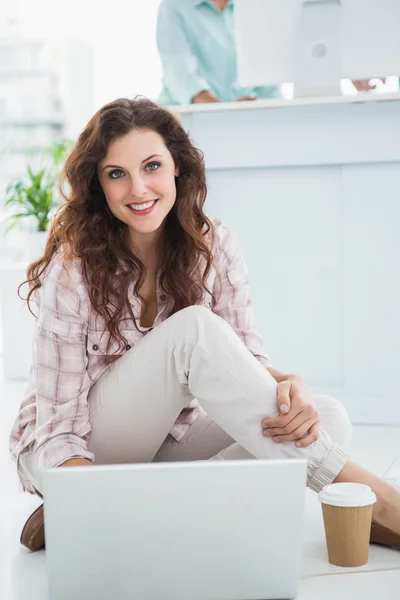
(299,419)
(363,85)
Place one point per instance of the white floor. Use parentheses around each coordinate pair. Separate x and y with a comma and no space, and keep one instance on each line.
(22,574)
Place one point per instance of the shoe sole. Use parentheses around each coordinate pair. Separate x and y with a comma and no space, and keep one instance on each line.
(32,535)
(385,537)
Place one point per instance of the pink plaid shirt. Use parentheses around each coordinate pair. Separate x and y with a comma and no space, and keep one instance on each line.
(69,347)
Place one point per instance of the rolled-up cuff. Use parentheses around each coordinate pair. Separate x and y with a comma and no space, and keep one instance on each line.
(56,451)
(328,468)
(264,360)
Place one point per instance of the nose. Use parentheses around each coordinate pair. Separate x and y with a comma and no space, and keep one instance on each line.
(138,186)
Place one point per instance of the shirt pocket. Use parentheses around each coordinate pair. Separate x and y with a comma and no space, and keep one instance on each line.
(97,342)
(65,329)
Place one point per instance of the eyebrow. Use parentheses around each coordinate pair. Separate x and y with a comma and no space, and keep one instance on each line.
(143,161)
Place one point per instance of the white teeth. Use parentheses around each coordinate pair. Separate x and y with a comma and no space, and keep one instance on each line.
(143,206)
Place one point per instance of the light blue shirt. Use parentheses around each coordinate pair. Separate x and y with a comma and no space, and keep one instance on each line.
(197,48)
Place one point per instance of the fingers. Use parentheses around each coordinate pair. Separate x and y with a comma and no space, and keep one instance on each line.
(362,85)
(283,420)
(295,430)
(284,389)
(298,428)
(297,435)
(310,438)
(287,429)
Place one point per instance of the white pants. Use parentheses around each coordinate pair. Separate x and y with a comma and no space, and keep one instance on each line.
(205,440)
(196,354)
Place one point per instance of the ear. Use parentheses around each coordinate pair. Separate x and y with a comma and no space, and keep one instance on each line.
(176,172)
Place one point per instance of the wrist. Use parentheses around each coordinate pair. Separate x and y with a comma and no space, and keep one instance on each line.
(299,381)
(280,377)
(76,462)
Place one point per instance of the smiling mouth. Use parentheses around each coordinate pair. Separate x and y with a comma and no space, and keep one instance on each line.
(143,207)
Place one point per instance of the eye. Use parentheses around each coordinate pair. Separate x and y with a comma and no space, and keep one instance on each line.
(115,174)
(153,166)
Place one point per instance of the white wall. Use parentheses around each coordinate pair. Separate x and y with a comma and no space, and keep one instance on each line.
(122,33)
(123,62)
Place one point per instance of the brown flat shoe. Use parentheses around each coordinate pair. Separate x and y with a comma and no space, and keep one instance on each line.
(383,536)
(32,536)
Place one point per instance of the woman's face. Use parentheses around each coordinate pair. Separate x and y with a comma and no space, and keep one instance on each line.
(138,179)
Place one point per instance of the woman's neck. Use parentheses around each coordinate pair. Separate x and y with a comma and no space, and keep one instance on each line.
(221,4)
(148,250)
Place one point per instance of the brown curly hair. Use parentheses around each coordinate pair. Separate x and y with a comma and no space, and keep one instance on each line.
(86,228)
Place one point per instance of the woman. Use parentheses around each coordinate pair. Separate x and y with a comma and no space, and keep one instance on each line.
(197,48)
(146,347)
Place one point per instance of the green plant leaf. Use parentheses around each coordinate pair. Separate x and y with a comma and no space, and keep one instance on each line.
(24,214)
(36,195)
(11,225)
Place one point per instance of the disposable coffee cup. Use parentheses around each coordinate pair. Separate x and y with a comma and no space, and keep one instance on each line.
(347,512)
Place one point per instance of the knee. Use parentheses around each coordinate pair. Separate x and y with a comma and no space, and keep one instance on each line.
(201,314)
(197,322)
(334,419)
(196,311)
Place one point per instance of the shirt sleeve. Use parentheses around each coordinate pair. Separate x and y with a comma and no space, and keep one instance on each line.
(180,67)
(233,298)
(60,363)
(268,91)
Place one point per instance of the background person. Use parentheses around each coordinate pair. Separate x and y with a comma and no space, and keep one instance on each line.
(196,43)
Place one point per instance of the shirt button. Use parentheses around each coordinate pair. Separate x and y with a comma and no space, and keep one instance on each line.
(128,346)
(95,347)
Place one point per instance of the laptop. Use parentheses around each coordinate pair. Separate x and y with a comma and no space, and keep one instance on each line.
(204,530)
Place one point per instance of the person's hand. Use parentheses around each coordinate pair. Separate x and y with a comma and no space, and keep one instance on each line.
(299,419)
(246,98)
(204,96)
(77,462)
(363,85)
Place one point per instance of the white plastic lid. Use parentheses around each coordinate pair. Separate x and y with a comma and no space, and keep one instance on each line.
(347,494)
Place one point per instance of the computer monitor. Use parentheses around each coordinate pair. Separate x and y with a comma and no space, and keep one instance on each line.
(316,43)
